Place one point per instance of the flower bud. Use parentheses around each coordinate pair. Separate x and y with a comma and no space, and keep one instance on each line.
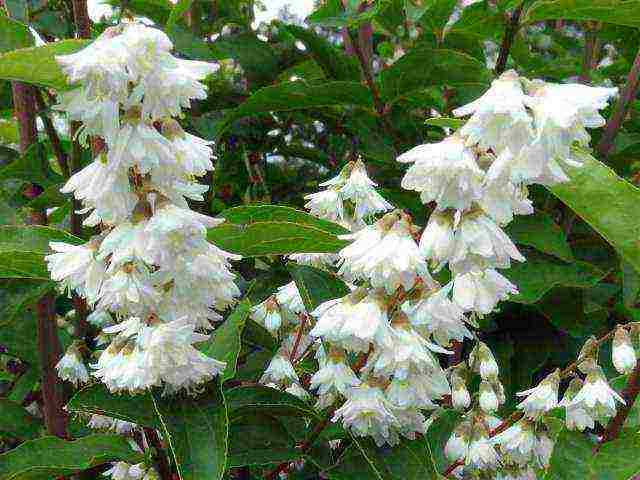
(488,398)
(483,362)
(623,354)
(460,398)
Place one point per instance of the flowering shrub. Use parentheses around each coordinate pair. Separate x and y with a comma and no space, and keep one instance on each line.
(384,244)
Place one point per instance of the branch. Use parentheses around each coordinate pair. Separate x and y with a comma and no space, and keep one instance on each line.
(54,139)
(81,18)
(164,469)
(49,348)
(630,394)
(628,94)
(509,35)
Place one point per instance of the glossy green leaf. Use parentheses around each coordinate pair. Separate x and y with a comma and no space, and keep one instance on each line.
(438,434)
(17,422)
(31,167)
(13,35)
(299,95)
(408,460)
(619,12)
(571,457)
(51,457)
(539,274)
(335,63)
(96,399)
(332,13)
(275,230)
(425,67)
(196,432)
(259,439)
(18,295)
(179,9)
(225,343)
(21,64)
(542,233)
(445,122)
(265,399)
(606,202)
(257,58)
(316,286)
(618,459)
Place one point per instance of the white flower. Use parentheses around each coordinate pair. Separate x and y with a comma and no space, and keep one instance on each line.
(192,154)
(544,450)
(518,441)
(384,253)
(502,199)
(481,290)
(98,116)
(289,297)
(542,398)
(481,454)
(499,119)
(482,361)
(367,413)
(354,185)
(126,471)
(333,378)
(101,422)
(71,367)
(624,355)
(444,172)
(488,398)
(460,397)
(596,396)
(297,391)
(418,390)
(437,315)
(77,268)
(267,313)
(129,288)
(326,204)
(479,236)
(280,370)
(578,416)
(354,321)
(457,445)
(436,242)
(407,352)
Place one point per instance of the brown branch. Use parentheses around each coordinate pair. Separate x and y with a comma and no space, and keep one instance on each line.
(509,35)
(81,18)
(627,96)
(54,139)
(629,394)
(49,348)
(164,469)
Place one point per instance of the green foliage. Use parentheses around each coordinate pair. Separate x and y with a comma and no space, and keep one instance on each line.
(16,421)
(51,457)
(619,12)
(316,286)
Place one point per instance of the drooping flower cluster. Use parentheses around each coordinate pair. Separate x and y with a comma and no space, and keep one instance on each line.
(151,276)
(380,347)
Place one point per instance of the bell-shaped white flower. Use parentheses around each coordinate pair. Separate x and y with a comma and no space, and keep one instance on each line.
(385,254)
(333,378)
(477,236)
(481,290)
(437,240)
(368,413)
(623,354)
(445,172)
(433,312)
(268,314)
(457,445)
(578,416)
(280,370)
(541,398)
(499,118)
(596,396)
(482,361)
(71,367)
(488,399)
(289,297)
(101,422)
(518,441)
(326,204)
(481,454)
(460,397)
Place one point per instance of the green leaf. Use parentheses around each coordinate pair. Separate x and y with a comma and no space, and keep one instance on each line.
(17,295)
(539,274)
(335,63)
(225,343)
(21,264)
(316,286)
(618,12)
(51,457)
(454,123)
(438,14)
(257,58)
(31,167)
(438,434)
(606,202)
(196,431)
(13,34)
(19,64)
(542,233)
(571,457)
(410,459)
(18,337)
(259,439)
(275,230)
(630,284)
(96,399)
(425,67)
(618,459)
(178,10)
(300,95)
(265,399)
(16,421)
(333,14)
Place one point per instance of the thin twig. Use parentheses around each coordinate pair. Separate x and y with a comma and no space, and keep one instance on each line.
(629,394)
(627,96)
(54,139)
(509,35)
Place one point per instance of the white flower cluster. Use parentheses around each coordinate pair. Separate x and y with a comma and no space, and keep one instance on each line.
(126,471)
(151,276)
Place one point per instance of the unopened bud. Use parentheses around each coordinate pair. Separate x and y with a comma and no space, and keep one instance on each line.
(623,354)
